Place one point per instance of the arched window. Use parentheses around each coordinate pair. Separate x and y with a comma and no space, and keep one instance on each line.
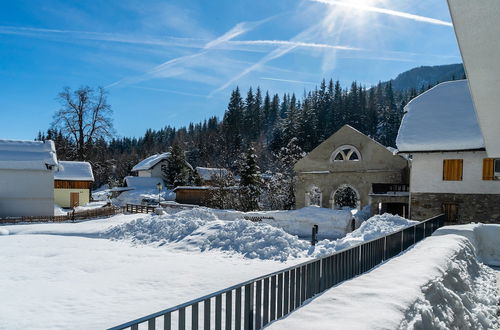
(347,152)
(345,196)
(313,196)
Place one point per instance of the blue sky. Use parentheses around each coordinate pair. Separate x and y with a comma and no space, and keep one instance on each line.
(172,62)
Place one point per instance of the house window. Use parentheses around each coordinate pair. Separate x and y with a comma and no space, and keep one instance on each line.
(346,153)
(453,169)
(491,169)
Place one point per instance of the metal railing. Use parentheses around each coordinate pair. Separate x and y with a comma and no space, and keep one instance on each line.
(385,188)
(257,302)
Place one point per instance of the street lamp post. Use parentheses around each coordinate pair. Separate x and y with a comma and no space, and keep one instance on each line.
(159,186)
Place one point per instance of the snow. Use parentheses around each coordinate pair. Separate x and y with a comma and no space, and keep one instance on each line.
(59,210)
(74,171)
(442,118)
(70,282)
(437,284)
(27,155)
(207,173)
(142,182)
(194,188)
(91,206)
(139,189)
(150,162)
(202,229)
(332,223)
(92,274)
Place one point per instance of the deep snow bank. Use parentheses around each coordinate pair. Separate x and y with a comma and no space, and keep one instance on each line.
(203,229)
(332,223)
(484,237)
(438,284)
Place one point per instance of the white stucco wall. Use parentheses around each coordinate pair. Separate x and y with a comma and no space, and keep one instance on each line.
(144,173)
(427,174)
(154,172)
(26,193)
(477,29)
(62,197)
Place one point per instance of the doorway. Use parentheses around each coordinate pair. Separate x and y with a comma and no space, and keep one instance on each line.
(74,199)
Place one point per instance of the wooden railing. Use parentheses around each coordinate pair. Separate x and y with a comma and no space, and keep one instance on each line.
(255,303)
(88,214)
(135,208)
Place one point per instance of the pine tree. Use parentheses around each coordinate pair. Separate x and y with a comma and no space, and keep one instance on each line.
(250,180)
(177,172)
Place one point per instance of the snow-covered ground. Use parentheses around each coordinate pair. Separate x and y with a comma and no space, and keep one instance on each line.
(438,284)
(99,273)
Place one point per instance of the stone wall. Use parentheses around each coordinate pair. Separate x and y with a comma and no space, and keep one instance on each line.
(330,182)
(471,207)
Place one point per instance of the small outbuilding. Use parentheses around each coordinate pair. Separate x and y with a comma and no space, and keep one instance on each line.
(73,184)
(27,178)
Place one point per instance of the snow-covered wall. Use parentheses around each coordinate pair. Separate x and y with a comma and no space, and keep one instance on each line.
(427,174)
(26,193)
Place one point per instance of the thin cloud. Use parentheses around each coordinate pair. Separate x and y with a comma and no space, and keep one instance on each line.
(293,44)
(171,67)
(170,91)
(101,36)
(386,11)
(289,81)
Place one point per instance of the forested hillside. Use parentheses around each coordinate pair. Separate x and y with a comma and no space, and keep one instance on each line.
(260,118)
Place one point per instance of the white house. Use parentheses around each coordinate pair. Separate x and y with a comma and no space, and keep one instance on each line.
(27,178)
(152,166)
(450,170)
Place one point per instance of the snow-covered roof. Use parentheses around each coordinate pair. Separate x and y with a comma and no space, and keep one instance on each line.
(27,155)
(74,171)
(150,162)
(194,188)
(441,119)
(206,173)
(142,182)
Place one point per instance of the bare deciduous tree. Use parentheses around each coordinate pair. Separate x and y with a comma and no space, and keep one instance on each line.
(85,117)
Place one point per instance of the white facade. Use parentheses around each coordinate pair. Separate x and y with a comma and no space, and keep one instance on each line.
(426,175)
(27,178)
(155,171)
(477,30)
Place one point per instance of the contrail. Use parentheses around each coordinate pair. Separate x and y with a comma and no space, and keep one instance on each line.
(385,11)
(291,43)
(289,80)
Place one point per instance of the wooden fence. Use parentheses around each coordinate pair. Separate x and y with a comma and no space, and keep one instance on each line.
(134,208)
(255,303)
(71,216)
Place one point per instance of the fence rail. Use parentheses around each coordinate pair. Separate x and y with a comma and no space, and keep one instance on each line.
(88,214)
(255,303)
(135,208)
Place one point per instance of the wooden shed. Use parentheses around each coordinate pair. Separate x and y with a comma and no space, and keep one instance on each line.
(192,195)
(73,184)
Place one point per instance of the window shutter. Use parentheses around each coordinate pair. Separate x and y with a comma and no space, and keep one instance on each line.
(488,169)
(453,169)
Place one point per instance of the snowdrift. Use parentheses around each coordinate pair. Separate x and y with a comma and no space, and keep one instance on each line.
(332,223)
(437,284)
(203,229)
